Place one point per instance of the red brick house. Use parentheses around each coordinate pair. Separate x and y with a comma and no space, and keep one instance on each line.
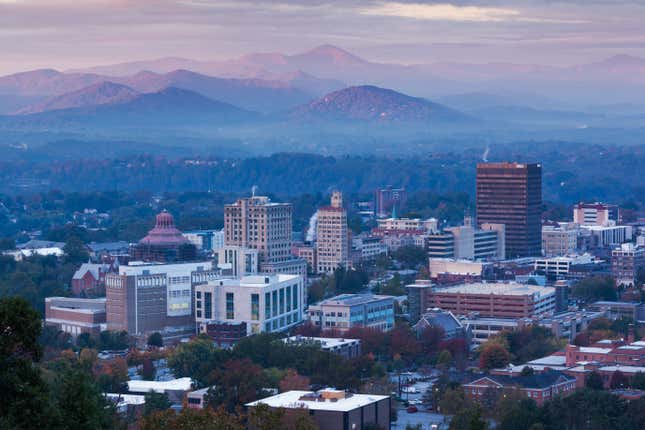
(540,387)
(89,279)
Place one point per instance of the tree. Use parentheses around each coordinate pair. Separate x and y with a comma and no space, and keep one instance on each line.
(452,401)
(469,419)
(595,288)
(410,256)
(155,340)
(444,360)
(197,419)
(75,251)
(638,381)
(494,356)
(293,381)
(85,340)
(527,371)
(618,380)
(196,359)
(155,402)
(517,414)
(237,382)
(80,402)
(593,381)
(24,402)
(148,370)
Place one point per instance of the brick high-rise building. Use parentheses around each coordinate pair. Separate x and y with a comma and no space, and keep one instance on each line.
(511,194)
(258,223)
(332,239)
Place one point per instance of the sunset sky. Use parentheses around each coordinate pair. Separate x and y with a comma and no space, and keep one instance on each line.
(76,33)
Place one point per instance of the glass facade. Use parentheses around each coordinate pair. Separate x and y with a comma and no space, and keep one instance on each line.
(255,307)
(230,306)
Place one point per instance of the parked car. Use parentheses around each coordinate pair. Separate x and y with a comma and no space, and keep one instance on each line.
(412,409)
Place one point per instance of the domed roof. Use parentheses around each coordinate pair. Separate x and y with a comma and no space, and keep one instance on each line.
(165,232)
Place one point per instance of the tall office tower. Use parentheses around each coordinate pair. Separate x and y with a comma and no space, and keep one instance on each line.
(258,223)
(332,240)
(511,194)
(388,198)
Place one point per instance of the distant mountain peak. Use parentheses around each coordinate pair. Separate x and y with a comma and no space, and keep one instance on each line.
(334,53)
(100,93)
(375,104)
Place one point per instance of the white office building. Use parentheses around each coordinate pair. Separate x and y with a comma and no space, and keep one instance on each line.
(266,303)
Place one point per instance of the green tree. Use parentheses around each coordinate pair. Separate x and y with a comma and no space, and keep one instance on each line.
(156,402)
(75,251)
(196,359)
(80,403)
(452,401)
(469,419)
(24,402)
(411,256)
(593,381)
(595,288)
(155,339)
(638,381)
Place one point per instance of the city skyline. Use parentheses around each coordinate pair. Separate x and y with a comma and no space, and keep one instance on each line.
(64,35)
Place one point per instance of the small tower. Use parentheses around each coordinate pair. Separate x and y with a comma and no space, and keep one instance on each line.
(337,199)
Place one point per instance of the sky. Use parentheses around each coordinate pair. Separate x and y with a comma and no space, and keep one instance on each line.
(66,34)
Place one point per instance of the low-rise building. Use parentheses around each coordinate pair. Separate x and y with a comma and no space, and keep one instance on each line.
(448,271)
(348,348)
(266,303)
(334,409)
(418,298)
(292,266)
(349,310)
(540,387)
(559,267)
(75,316)
(634,311)
(453,327)
(560,240)
(563,325)
(175,389)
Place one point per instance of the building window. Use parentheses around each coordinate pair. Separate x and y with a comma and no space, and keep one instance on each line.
(281,300)
(230,306)
(288,299)
(295,297)
(255,307)
(274,303)
(267,305)
(208,305)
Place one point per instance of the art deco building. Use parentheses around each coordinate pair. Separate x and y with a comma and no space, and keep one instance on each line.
(332,240)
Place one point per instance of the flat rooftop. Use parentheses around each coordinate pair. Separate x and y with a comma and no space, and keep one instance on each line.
(325,342)
(294,399)
(354,299)
(181,384)
(510,289)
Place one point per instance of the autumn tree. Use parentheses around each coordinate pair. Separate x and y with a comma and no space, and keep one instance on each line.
(493,356)
(293,381)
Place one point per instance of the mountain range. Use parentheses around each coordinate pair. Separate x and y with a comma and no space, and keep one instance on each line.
(326,96)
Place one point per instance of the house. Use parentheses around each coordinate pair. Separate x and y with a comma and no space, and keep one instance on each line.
(540,387)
